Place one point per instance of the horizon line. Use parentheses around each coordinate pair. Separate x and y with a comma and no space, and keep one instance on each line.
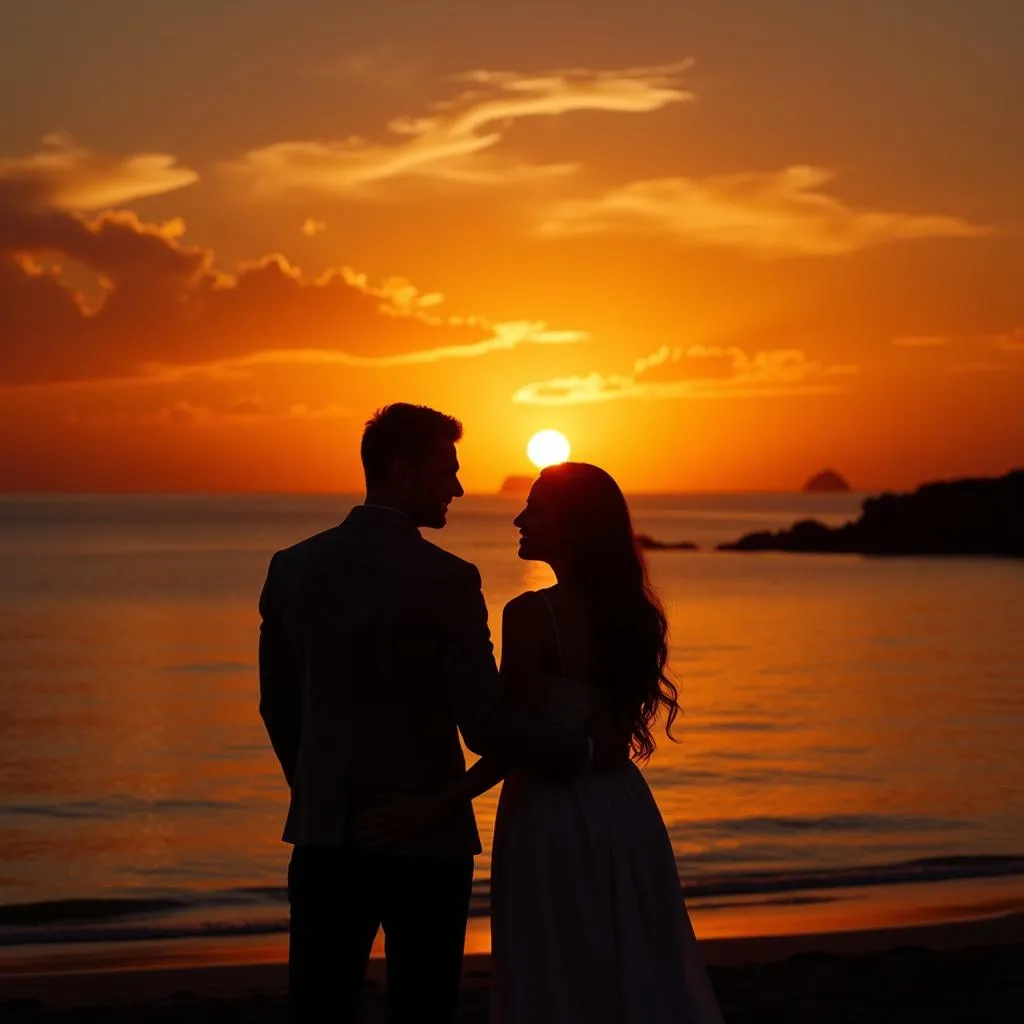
(185,493)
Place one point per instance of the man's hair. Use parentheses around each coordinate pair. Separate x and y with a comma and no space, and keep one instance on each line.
(405,430)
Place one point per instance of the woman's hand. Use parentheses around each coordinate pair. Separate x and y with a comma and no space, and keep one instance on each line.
(400,816)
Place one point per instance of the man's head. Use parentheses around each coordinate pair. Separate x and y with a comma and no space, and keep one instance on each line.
(409,459)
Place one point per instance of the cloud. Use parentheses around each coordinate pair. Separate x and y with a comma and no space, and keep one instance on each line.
(164,314)
(698,371)
(773,214)
(248,410)
(454,142)
(312,227)
(923,341)
(115,245)
(985,352)
(243,411)
(977,366)
(65,176)
(383,67)
(505,336)
(1011,341)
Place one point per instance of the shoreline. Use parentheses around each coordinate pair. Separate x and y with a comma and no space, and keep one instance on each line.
(47,992)
(816,916)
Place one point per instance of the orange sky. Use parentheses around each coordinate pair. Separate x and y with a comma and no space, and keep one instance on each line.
(718,248)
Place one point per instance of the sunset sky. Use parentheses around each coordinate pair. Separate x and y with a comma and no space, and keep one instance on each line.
(719,244)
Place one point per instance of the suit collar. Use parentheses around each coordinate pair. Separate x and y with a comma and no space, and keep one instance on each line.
(381,517)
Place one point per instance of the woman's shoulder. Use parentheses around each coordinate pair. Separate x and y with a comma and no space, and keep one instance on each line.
(528,606)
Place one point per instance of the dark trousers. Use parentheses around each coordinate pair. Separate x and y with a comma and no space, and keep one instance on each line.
(339,898)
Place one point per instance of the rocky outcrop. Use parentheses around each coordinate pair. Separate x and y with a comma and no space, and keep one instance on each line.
(828,481)
(958,517)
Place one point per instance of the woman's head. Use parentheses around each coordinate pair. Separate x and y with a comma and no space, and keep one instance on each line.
(574,512)
(576,519)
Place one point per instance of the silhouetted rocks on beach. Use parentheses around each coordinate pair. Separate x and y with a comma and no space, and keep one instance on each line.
(958,517)
(827,480)
(648,543)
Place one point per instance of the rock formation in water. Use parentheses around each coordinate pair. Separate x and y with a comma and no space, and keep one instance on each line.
(648,543)
(828,480)
(516,485)
(958,517)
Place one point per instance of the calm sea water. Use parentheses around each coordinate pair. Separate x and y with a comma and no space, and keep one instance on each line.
(849,753)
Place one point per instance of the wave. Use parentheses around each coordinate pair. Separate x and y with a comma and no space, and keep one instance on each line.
(256,909)
(113,808)
(49,911)
(771,825)
(143,932)
(926,869)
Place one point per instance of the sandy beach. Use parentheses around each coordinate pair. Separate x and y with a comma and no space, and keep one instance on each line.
(962,972)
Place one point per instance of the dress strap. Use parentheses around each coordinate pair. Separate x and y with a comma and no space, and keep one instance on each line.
(558,635)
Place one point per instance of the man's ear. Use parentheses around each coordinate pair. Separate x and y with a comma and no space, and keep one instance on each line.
(400,473)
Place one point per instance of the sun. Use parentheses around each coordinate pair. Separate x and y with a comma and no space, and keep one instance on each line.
(547,448)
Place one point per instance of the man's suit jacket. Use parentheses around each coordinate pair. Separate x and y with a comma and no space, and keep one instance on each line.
(374,654)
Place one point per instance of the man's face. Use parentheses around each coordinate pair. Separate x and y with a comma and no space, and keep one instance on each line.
(432,484)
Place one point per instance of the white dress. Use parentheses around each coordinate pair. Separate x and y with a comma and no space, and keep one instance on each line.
(588,923)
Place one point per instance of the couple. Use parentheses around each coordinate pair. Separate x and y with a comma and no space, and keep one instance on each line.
(375,654)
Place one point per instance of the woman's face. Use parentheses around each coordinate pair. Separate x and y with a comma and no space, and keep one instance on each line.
(539,525)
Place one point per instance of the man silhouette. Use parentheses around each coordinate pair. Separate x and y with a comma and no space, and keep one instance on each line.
(374,654)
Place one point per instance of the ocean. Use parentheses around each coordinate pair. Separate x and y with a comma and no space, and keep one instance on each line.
(848,754)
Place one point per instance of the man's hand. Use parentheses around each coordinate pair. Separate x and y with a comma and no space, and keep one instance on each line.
(401,816)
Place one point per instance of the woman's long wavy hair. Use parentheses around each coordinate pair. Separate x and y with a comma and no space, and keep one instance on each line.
(628,623)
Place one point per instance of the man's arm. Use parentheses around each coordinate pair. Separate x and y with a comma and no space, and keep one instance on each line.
(500,730)
(490,726)
(280,687)
(520,675)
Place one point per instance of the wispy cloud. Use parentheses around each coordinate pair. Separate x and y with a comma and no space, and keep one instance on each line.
(311,227)
(244,411)
(505,336)
(455,141)
(698,371)
(774,214)
(69,177)
(923,341)
(1011,341)
(384,67)
(987,352)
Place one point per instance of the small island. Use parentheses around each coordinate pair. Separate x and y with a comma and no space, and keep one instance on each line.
(516,485)
(828,481)
(958,517)
(647,543)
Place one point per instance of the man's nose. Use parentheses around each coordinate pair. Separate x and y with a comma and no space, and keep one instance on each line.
(458,492)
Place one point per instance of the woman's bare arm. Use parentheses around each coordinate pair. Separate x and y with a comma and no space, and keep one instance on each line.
(521,671)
